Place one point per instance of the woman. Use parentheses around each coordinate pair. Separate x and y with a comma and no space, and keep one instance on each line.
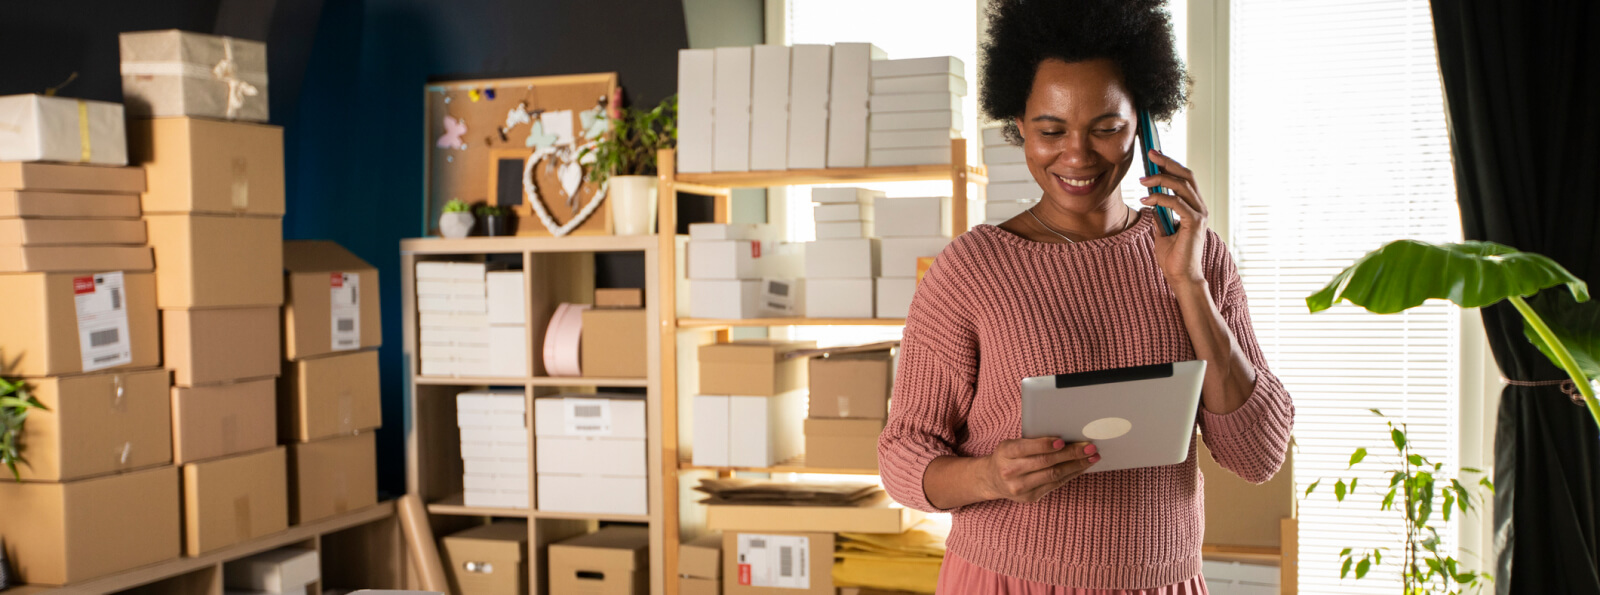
(1079,282)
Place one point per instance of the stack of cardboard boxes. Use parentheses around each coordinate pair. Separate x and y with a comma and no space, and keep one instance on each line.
(916,109)
(592,456)
(751,401)
(849,402)
(494,448)
(912,229)
(842,262)
(507,308)
(455,333)
(734,272)
(1011,189)
(700,565)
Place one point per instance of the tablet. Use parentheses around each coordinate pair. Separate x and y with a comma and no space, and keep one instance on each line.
(1137,417)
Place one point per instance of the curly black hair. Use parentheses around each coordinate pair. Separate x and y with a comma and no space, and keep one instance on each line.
(1135,34)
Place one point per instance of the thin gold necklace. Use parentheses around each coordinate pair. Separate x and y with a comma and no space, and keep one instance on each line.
(1124,226)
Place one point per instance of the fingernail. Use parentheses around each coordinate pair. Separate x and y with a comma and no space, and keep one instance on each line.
(1156,151)
(1090,449)
(1143,178)
(1147,199)
(1094,459)
(1059,444)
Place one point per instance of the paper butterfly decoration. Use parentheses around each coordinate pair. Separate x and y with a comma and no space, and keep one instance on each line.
(453,129)
(517,115)
(538,139)
(594,123)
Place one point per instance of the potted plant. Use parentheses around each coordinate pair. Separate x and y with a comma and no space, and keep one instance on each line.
(15,405)
(625,161)
(456,220)
(496,220)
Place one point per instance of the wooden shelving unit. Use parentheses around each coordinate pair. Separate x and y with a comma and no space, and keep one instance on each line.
(794,465)
(724,323)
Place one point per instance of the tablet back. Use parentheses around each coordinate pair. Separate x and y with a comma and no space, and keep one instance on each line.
(1141,416)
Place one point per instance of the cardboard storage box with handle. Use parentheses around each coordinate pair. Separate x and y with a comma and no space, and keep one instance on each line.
(489,559)
(611,561)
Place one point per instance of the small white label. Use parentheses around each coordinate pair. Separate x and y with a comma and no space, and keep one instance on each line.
(344,313)
(778,296)
(779,561)
(102,321)
(588,417)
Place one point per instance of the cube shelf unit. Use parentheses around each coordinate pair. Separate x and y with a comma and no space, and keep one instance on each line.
(358,549)
(674,363)
(556,270)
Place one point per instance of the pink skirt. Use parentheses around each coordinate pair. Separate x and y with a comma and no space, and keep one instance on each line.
(960,577)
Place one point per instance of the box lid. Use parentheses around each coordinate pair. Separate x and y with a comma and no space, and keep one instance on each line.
(616,547)
(505,541)
(752,351)
(319,256)
(843,427)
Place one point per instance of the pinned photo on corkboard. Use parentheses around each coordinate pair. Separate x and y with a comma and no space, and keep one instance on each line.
(516,142)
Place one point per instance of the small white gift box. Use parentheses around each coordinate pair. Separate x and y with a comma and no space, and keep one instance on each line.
(40,128)
(179,73)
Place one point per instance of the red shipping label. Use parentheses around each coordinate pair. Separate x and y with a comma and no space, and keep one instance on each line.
(755,249)
(744,574)
(337,279)
(82,285)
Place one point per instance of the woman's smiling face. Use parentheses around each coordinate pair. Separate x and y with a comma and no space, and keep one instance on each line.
(1078,132)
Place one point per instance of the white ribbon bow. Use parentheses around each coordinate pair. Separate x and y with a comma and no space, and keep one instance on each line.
(227,71)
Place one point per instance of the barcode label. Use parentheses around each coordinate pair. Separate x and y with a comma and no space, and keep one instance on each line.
(344,325)
(786,562)
(778,288)
(758,543)
(102,321)
(587,417)
(344,310)
(103,338)
(586,411)
(779,561)
(116,299)
(778,297)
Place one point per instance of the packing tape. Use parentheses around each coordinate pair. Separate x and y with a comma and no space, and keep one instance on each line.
(83,132)
(123,454)
(241,517)
(119,392)
(230,433)
(240,192)
(844,406)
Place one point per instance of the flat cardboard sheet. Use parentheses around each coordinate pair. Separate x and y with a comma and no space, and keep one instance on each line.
(60,533)
(331,477)
(208,346)
(95,424)
(217,261)
(66,232)
(39,333)
(61,177)
(876,514)
(332,395)
(198,165)
(236,499)
(74,205)
(225,419)
(308,310)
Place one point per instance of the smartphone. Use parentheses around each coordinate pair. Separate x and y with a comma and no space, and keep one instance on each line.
(1149,142)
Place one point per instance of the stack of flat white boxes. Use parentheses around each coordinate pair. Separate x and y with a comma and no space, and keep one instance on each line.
(494,448)
(591,454)
(1011,188)
(472,322)
(915,110)
(909,229)
(842,262)
(733,273)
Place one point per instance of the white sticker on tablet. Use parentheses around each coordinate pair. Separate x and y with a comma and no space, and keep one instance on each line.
(102,320)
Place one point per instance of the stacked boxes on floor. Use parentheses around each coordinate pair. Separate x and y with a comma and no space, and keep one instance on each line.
(592,454)
(751,402)
(912,229)
(842,262)
(916,110)
(734,273)
(329,398)
(849,402)
(1011,188)
(99,493)
(494,448)
(472,322)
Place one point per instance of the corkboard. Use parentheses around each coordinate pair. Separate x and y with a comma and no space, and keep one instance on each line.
(467,173)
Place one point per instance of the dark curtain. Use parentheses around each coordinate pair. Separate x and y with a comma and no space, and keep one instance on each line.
(1522,85)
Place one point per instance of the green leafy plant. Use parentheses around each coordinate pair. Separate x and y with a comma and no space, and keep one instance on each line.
(1403,274)
(457,205)
(629,148)
(15,405)
(492,210)
(1415,487)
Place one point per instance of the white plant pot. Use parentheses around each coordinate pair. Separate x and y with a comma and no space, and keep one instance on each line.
(456,225)
(633,205)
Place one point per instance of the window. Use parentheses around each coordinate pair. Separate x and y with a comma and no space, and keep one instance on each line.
(1337,145)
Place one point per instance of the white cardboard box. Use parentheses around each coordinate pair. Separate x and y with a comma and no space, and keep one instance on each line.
(452,288)
(711,430)
(810,66)
(449,304)
(498,434)
(498,400)
(1008,191)
(451,271)
(765,431)
(508,297)
(276,571)
(841,259)
(40,128)
(848,103)
(844,195)
(452,353)
(1001,154)
(839,298)
(696,84)
(769,109)
(493,450)
(994,136)
(915,102)
(725,259)
(911,139)
(508,351)
(914,217)
(593,494)
(827,212)
(840,230)
(494,482)
(725,298)
(589,415)
(476,335)
(731,110)
(1003,210)
(894,296)
(452,320)
(919,66)
(922,83)
(513,467)
(727,231)
(1009,172)
(616,457)
(497,498)
(923,156)
(900,254)
(918,120)
(439,367)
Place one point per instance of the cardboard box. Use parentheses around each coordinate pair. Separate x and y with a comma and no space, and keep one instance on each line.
(915,102)
(232,500)
(1004,210)
(726,231)
(331,300)
(458,320)
(594,494)
(919,67)
(614,457)
(823,213)
(488,559)
(217,261)
(333,395)
(701,557)
(507,297)
(598,415)
(59,232)
(453,288)
(847,103)
(900,254)
(331,477)
(497,498)
(47,128)
(712,430)
(877,514)
(614,343)
(845,195)
(840,298)
(508,351)
(94,424)
(451,304)
(452,271)
(725,298)
(750,561)
(851,384)
(731,150)
(213,345)
(910,139)
(73,205)
(65,259)
(1002,154)
(696,95)
(765,431)
(894,295)
(221,420)
(919,156)
(275,571)
(1011,172)
(61,533)
(842,259)
(59,177)
(809,66)
(445,336)
(843,230)
(619,297)
(618,554)
(209,166)
(842,443)
(170,73)
(1243,513)
(888,121)
(769,108)
(752,367)
(725,259)
(923,83)
(493,408)
(699,586)
(41,334)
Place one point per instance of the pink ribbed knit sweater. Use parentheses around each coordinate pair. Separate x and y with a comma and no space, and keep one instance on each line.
(997,308)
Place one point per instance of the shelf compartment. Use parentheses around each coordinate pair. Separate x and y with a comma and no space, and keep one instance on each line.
(793,465)
(794,321)
(455,505)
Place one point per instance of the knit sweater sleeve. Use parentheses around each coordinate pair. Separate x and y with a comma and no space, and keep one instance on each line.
(934,384)
(1250,441)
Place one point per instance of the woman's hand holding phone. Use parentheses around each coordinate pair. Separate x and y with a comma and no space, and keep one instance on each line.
(1027,469)
(1178,254)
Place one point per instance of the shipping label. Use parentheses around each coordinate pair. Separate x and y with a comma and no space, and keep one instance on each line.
(344,298)
(588,417)
(774,561)
(101,301)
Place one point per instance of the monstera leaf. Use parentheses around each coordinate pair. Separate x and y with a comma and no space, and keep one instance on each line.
(1575,324)
(1405,273)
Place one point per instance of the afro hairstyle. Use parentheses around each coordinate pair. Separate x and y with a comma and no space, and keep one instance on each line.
(1134,34)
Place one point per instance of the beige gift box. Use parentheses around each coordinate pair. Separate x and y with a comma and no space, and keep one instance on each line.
(179,73)
(40,128)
